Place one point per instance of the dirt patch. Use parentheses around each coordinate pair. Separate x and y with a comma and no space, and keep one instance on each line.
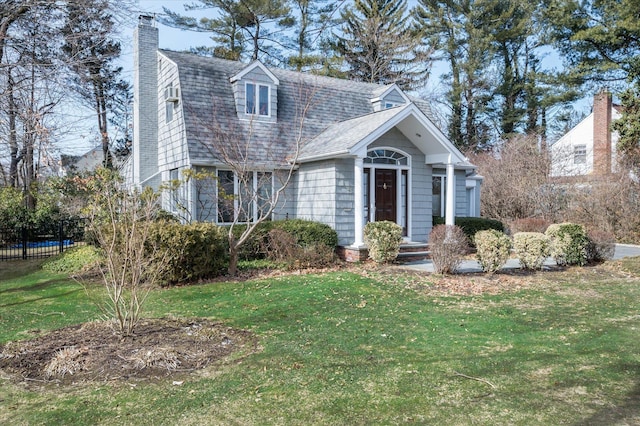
(90,352)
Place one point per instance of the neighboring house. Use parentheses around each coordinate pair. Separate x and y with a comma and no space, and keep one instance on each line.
(368,152)
(589,149)
(86,162)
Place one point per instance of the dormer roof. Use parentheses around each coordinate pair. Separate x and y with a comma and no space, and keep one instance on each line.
(252,66)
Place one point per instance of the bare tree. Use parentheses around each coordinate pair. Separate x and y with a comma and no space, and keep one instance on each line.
(250,186)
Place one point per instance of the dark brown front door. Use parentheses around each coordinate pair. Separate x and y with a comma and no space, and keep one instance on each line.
(386,195)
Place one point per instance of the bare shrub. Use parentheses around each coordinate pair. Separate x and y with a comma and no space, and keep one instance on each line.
(611,206)
(601,245)
(528,224)
(517,183)
(448,244)
(281,246)
(122,222)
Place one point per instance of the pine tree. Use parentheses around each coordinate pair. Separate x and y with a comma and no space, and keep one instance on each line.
(380,45)
(92,51)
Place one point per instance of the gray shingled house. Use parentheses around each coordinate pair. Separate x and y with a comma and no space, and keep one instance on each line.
(365,152)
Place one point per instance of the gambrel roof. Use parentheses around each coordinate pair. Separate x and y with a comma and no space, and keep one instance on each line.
(335,113)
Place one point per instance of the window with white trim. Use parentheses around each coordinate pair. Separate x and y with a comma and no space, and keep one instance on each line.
(579,154)
(257,99)
(438,200)
(243,197)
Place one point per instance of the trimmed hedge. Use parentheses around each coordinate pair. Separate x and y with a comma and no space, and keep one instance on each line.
(72,261)
(192,251)
(472,225)
(531,248)
(493,249)
(383,240)
(569,243)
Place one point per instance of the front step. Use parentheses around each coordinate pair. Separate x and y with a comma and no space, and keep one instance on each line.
(412,252)
(409,252)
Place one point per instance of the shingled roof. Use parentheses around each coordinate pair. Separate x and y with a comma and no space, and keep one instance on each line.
(327,114)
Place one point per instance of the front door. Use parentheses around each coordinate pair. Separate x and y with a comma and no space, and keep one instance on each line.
(386,195)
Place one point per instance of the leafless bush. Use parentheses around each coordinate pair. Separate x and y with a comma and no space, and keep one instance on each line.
(516,182)
(529,224)
(601,246)
(281,246)
(447,244)
(611,206)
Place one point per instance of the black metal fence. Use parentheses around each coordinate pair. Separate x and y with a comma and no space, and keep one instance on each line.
(33,242)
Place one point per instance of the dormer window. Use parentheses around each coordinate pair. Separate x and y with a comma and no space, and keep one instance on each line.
(257,99)
(388,105)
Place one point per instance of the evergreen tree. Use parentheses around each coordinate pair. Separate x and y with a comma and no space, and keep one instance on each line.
(313,19)
(244,27)
(380,45)
(227,35)
(599,39)
(91,50)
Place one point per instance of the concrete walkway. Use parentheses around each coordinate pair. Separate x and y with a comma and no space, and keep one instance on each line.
(470,266)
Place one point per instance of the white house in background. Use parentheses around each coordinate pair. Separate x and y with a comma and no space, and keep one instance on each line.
(369,152)
(589,149)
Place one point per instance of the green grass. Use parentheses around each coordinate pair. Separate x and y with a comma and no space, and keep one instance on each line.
(340,348)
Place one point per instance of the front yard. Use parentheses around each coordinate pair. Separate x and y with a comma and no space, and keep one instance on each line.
(358,346)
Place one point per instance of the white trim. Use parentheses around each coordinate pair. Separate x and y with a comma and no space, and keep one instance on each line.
(251,67)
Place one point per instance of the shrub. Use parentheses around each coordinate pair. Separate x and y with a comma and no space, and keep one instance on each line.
(529,224)
(193,251)
(493,248)
(601,246)
(383,240)
(74,260)
(283,247)
(471,225)
(531,248)
(568,243)
(447,244)
(308,232)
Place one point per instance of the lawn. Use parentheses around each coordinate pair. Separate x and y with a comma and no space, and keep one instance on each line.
(349,347)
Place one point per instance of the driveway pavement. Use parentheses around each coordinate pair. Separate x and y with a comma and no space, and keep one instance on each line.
(468,266)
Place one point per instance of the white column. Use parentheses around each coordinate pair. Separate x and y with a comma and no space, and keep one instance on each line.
(451,194)
(358,202)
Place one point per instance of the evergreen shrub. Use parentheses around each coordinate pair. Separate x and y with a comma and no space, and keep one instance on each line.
(492,249)
(193,251)
(568,243)
(383,240)
(531,248)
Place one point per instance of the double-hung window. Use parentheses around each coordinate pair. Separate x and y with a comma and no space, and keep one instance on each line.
(244,197)
(579,154)
(257,99)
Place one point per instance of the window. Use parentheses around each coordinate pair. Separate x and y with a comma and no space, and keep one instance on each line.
(169,112)
(579,154)
(388,105)
(438,196)
(174,185)
(257,99)
(245,197)
(386,156)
